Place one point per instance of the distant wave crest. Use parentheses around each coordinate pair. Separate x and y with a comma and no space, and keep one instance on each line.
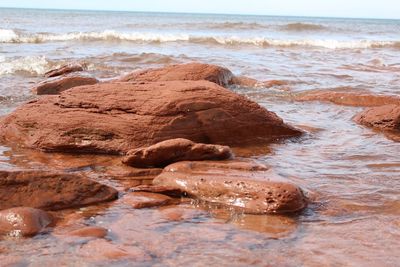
(10,36)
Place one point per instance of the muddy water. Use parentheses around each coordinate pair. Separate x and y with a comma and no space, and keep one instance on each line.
(350,173)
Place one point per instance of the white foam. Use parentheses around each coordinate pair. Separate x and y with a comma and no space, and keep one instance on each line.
(31,64)
(9,36)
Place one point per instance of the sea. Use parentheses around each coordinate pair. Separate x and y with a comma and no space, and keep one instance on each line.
(351,173)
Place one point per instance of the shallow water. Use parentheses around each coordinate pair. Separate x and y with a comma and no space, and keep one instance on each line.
(351,173)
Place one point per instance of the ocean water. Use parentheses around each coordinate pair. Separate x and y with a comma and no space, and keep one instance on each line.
(352,173)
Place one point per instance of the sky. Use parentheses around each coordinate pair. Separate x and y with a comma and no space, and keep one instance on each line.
(316,8)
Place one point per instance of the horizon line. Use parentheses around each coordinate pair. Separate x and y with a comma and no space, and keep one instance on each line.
(193,13)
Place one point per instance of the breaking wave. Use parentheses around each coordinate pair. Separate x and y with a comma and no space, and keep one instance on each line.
(10,36)
(29,64)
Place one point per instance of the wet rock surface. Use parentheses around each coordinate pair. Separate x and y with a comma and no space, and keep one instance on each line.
(66,69)
(89,231)
(348,98)
(117,117)
(174,150)
(55,87)
(182,72)
(140,200)
(23,221)
(50,190)
(384,118)
(243,185)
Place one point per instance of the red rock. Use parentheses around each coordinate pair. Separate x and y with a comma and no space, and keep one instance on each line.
(100,249)
(182,72)
(90,231)
(23,221)
(50,191)
(117,117)
(165,190)
(140,200)
(174,150)
(348,98)
(385,118)
(65,70)
(246,186)
(55,87)
(243,81)
(273,83)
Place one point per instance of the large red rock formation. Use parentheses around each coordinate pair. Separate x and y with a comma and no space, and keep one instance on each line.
(117,117)
(50,191)
(23,221)
(182,72)
(385,118)
(55,87)
(174,150)
(246,186)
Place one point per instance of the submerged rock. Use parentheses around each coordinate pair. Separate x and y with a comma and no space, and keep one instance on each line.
(55,87)
(50,191)
(114,118)
(348,98)
(23,221)
(250,187)
(89,231)
(140,200)
(182,72)
(384,118)
(174,150)
(65,70)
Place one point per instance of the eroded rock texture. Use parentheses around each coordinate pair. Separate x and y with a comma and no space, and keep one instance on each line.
(113,118)
(250,187)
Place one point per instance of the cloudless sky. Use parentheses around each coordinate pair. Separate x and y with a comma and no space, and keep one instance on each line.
(319,8)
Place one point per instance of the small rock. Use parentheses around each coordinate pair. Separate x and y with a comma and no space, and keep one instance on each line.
(384,118)
(90,231)
(50,190)
(64,70)
(55,87)
(182,72)
(347,98)
(174,150)
(23,221)
(100,249)
(164,190)
(140,200)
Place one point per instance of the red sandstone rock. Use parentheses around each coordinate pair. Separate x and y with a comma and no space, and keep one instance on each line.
(100,250)
(50,191)
(182,72)
(65,70)
(117,117)
(140,200)
(90,231)
(243,81)
(55,87)
(23,221)
(174,150)
(250,82)
(246,186)
(349,98)
(165,190)
(386,118)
